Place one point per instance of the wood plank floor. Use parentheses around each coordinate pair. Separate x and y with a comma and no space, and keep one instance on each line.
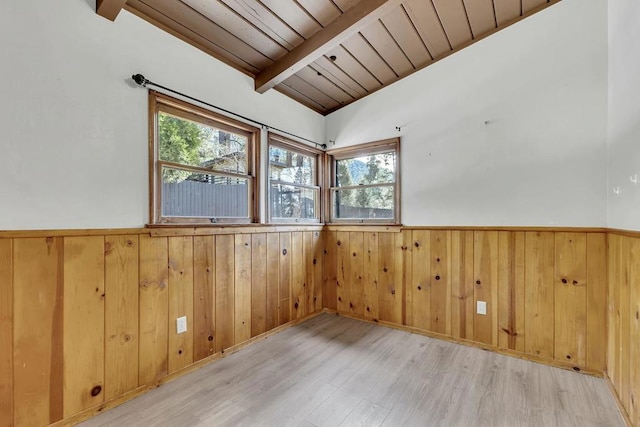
(334,371)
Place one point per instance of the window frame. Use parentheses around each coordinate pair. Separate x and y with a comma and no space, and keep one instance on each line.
(159,102)
(276,140)
(360,150)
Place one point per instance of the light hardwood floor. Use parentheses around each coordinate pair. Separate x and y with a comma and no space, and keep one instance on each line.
(334,371)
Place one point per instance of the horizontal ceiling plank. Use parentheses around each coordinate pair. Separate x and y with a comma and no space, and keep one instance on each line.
(425,19)
(454,20)
(507,10)
(367,56)
(345,5)
(109,8)
(346,25)
(330,70)
(405,34)
(353,68)
(228,19)
(303,99)
(323,11)
(529,5)
(294,16)
(304,87)
(380,39)
(481,16)
(323,83)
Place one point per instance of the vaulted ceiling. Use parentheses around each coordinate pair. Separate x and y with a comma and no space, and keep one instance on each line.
(326,54)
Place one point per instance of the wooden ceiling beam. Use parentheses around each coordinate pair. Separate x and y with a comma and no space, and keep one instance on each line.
(109,8)
(349,23)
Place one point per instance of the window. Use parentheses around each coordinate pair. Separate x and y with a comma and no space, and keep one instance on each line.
(203,165)
(294,194)
(364,185)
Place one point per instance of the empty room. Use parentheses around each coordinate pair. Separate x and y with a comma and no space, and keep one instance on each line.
(320,213)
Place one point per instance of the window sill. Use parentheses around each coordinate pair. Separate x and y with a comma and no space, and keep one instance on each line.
(167,230)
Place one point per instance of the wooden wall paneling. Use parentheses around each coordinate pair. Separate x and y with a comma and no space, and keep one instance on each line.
(325,84)
(596,301)
(366,55)
(352,67)
(323,11)
(259,283)
(6,332)
(298,286)
(318,267)
(387,47)
(242,296)
(634,350)
(511,298)
(180,301)
(399,25)
(343,271)
(424,17)
(341,79)
(528,5)
(371,271)
(306,89)
(309,272)
(401,274)
(83,332)
(539,293)
(225,292)
(440,284)
(285,278)
(571,298)
(386,276)
(625,322)
(273,280)
(294,16)
(356,269)
(121,263)
(454,20)
(235,24)
(507,10)
(485,266)
(330,270)
(613,320)
(204,296)
(419,286)
(154,309)
(462,284)
(482,18)
(37,330)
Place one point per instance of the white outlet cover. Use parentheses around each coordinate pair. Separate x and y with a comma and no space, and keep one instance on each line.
(181,325)
(481,307)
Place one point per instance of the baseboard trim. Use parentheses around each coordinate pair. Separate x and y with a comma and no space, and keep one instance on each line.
(469,343)
(91,412)
(621,408)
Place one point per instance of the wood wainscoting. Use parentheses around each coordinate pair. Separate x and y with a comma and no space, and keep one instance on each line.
(545,291)
(89,317)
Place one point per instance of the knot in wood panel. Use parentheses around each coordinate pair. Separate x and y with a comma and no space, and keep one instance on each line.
(96,390)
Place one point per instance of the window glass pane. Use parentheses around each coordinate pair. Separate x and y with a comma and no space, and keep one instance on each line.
(194,144)
(364,203)
(290,201)
(188,194)
(377,168)
(290,166)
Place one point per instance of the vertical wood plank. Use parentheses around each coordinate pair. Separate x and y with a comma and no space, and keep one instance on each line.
(330,270)
(154,309)
(285,278)
(180,301)
(37,330)
(462,284)
(634,350)
(121,314)
(419,288)
(539,272)
(309,271)
(273,280)
(242,298)
(225,292)
(343,272)
(258,284)
(371,260)
(402,268)
(625,322)
(511,255)
(440,288)
(485,266)
(318,266)
(356,268)
(83,334)
(298,285)
(6,332)
(204,296)
(386,285)
(613,320)
(596,301)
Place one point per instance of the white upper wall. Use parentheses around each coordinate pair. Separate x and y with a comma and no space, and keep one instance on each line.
(510,131)
(74,131)
(624,114)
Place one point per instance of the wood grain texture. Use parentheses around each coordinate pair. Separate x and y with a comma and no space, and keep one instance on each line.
(330,296)
(83,333)
(317,265)
(298,285)
(6,332)
(634,350)
(596,295)
(485,268)
(462,303)
(356,270)
(440,289)
(285,278)
(258,284)
(204,296)
(121,263)
(419,290)
(511,292)
(242,297)
(273,280)
(180,301)
(371,274)
(225,292)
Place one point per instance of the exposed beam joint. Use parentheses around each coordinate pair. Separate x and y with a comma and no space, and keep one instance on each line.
(346,25)
(109,8)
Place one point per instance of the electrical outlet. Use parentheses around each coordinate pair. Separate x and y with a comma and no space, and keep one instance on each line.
(481,307)
(181,324)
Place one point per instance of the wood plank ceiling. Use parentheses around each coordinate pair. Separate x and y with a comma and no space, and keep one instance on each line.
(398,38)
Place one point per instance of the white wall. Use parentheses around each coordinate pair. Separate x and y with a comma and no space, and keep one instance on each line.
(624,114)
(73,152)
(510,131)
